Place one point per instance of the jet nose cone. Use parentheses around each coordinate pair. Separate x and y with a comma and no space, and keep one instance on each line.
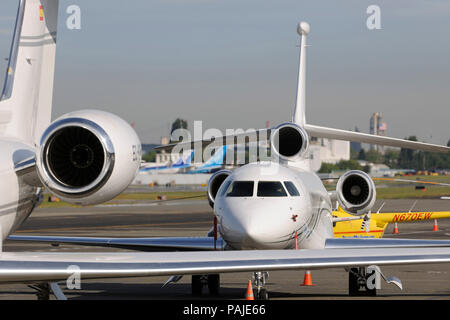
(257,233)
(256,224)
(253,237)
(245,231)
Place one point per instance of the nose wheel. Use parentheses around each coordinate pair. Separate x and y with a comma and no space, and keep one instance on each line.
(259,280)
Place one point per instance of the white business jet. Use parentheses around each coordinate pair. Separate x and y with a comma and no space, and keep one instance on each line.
(264,210)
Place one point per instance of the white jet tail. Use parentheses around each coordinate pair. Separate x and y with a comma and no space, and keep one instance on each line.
(298,118)
(300,101)
(26,99)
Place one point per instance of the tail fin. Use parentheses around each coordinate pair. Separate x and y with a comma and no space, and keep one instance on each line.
(300,102)
(303,29)
(298,118)
(188,159)
(217,158)
(26,100)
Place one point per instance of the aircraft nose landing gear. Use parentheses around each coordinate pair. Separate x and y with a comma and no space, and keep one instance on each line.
(259,279)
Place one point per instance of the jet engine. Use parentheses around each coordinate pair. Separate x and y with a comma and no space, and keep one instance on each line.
(88,157)
(289,141)
(356,192)
(214,184)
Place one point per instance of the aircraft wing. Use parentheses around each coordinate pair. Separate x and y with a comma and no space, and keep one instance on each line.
(338,134)
(138,244)
(207,243)
(26,267)
(340,243)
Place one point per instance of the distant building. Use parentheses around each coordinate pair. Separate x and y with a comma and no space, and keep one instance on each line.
(165,140)
(163,157)
(356,146)
(328,151)
(377,127)
(377,170)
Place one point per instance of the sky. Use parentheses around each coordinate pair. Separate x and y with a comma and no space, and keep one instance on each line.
(233,63)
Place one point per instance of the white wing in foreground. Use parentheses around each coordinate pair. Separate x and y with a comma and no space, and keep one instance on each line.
(32,267)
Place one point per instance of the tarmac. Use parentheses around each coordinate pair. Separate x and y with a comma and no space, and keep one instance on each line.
(194,218)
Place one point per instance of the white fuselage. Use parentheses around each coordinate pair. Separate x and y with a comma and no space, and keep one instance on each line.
(253,221)
(17,198)
(250,222)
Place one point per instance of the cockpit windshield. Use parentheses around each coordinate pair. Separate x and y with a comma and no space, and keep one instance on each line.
(271,189)
(291,189)
(240,189)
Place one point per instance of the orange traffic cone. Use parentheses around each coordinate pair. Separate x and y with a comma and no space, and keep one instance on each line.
(307,281)
(435,227)
(249,293)
(395,228)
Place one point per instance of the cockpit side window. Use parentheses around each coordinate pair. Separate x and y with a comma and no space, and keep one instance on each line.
(224,188)
(241,189)
(291,189)
(271,189)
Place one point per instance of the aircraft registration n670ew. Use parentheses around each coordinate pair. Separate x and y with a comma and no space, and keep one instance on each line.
(88,157)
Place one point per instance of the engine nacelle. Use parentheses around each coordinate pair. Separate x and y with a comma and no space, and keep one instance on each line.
(88,157)
(289,141)
(356,192)
(214,184)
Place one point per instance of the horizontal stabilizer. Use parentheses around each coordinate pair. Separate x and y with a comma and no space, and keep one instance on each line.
(338,134)
(314,131)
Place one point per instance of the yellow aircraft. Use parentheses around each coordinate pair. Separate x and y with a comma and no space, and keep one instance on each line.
(373,225)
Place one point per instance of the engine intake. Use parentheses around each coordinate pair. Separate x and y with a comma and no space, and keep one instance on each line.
(88,156)
(77,155)
(214,184)
(289,141)
(356,192)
